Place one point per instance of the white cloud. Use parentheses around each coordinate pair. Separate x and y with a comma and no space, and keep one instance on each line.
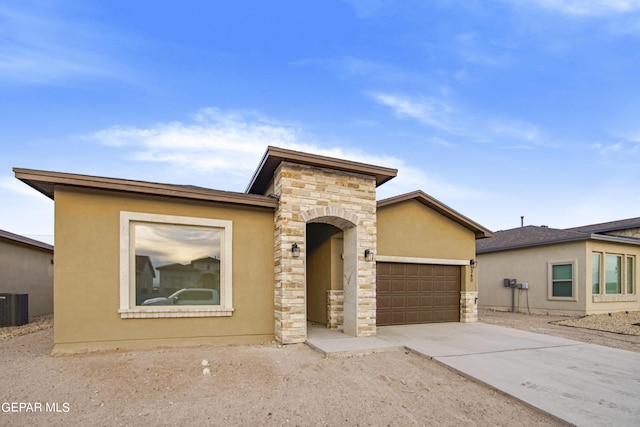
(222,149)
(13,185)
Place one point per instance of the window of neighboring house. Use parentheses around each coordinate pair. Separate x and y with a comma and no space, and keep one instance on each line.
(630,274)
(595,273)
(562,280)
(613,274)
(173,246)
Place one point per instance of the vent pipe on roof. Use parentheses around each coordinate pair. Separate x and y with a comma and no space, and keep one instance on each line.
(521,220)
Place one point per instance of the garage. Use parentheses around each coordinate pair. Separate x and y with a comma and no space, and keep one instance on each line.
(417,293)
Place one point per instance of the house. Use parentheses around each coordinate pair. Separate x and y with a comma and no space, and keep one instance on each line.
(306,242)
(575,271)
(26,267)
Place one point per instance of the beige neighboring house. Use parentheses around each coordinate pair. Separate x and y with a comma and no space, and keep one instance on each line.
(26,267)
(576,271)
(307,242)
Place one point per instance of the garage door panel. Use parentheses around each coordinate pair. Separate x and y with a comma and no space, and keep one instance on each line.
(417,293)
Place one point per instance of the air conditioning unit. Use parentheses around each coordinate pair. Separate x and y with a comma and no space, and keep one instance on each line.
(14,309)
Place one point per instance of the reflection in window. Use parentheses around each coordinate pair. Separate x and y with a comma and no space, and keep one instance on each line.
(172,258)
(612,274)
(562,280)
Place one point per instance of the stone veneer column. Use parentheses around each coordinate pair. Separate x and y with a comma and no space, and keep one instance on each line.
(468,307)
(346,200)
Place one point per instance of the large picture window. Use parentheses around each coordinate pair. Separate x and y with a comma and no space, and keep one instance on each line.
(613,277)
(174,266)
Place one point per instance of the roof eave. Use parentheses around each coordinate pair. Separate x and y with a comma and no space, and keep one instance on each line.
(45,182)
(275,155)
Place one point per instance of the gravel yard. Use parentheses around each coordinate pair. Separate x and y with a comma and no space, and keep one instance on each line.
(264,384)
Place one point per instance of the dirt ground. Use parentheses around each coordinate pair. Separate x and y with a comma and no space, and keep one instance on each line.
(256,385)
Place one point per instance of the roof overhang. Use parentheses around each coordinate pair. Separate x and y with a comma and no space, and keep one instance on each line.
(274,156)
(444,210)
(22,240)
(46,182)
(557,241)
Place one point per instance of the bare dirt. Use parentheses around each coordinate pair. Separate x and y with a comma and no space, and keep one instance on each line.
(256,385)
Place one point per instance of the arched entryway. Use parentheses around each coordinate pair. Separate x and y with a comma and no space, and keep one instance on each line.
(331,270)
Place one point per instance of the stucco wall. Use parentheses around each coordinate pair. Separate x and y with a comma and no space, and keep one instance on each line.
(530,265)
(25,269)
(411,229)
(87,275)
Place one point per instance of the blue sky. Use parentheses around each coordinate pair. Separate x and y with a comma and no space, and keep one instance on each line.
(498,108)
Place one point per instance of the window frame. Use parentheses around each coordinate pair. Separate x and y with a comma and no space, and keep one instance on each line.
(574,290)
(624,295)
(128,309)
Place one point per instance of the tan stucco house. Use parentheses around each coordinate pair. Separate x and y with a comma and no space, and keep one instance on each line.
(576,271)
(306,242)
(26,267)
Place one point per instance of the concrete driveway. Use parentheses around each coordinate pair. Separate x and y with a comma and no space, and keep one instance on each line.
(583,384)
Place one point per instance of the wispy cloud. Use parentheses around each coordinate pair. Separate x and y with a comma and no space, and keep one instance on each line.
(445,116)
(38,47)
(584,7)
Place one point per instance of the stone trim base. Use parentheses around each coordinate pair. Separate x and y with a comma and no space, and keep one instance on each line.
(335,309)
(468,307)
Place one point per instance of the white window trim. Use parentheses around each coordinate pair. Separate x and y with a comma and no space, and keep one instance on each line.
(130,311)
(574,280)
(624,296)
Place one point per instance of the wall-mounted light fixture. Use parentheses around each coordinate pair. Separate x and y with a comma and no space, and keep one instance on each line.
(473,263)
(295,250)
(368,255)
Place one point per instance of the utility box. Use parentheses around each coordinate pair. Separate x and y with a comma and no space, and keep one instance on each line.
(14,309)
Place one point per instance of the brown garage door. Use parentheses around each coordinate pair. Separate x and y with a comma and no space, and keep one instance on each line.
(417,293)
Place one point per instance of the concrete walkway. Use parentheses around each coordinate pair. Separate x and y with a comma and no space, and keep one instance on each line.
(583,384)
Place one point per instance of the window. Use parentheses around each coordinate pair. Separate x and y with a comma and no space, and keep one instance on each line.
(617,272)
(630,274)
(562,280)
(613,274)
(595,273)
(174,266)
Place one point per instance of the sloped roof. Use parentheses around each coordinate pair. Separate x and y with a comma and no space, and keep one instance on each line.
(15,238)
(604,227)
(422,197)
(274,156)
(46,181)
(531,235)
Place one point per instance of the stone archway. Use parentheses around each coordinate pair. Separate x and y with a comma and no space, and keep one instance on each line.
(346,200)
(346,222)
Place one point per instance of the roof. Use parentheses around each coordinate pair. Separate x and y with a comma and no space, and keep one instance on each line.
(46,182)
(531,235)
(420,196)
(274,156)
(15,238)
(604,227)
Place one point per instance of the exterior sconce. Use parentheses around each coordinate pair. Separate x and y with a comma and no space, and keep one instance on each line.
(473,263)
(368,255)
(295,250)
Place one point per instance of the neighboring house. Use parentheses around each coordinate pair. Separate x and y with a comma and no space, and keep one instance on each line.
(200,273)
(26,266)
(576,271)
(307,242)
